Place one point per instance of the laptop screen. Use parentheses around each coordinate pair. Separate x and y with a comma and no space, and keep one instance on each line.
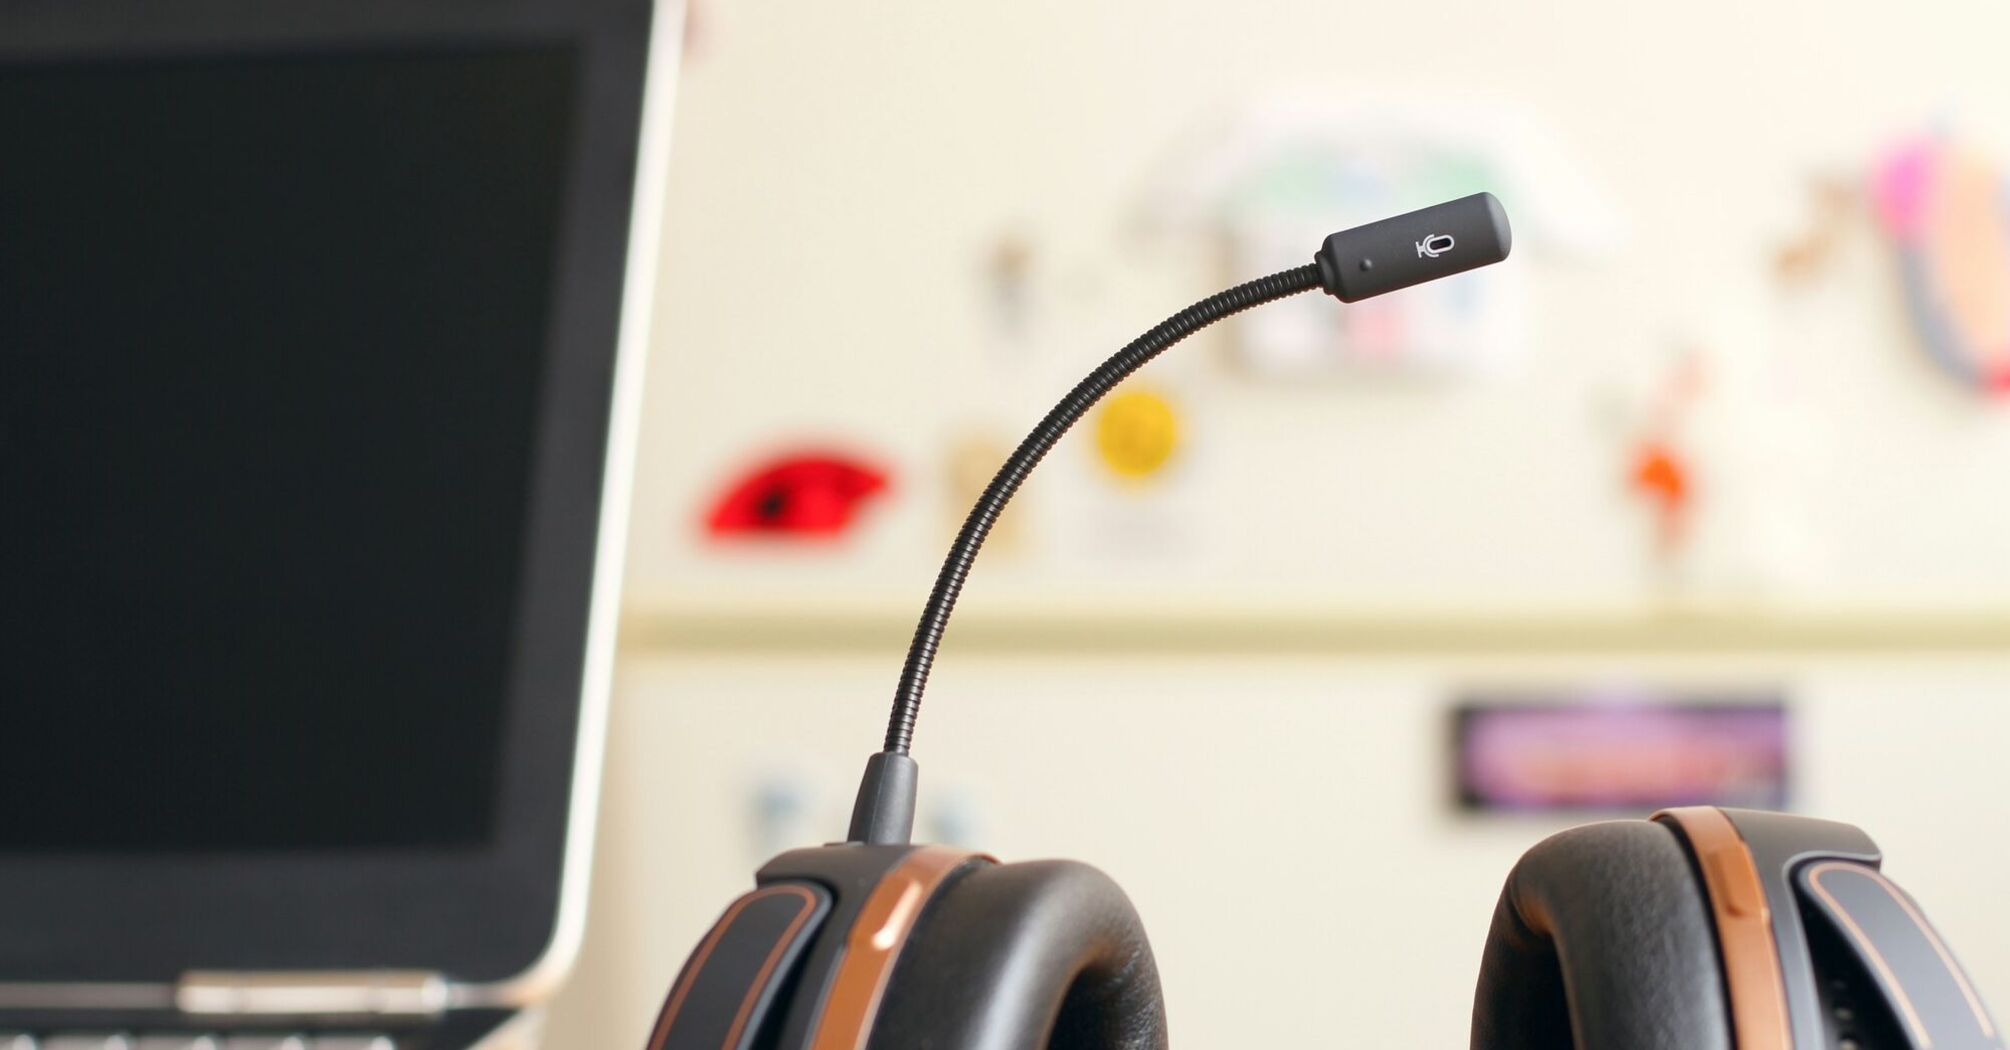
(273,333)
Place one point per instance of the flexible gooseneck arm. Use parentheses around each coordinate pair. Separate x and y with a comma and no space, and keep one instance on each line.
(1353,264)
(970,538)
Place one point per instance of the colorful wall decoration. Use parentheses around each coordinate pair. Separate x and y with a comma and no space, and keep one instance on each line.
(1946,209)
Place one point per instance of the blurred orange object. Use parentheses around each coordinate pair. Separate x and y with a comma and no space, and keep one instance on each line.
(1660,474)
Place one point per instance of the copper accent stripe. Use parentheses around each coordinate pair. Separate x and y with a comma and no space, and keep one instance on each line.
(1869,948)
(689,977)
(1744,923)
(760,980)
(1877,958)
(874,942)
(1940,948)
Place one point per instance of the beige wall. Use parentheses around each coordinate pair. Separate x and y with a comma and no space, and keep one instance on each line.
(837,174)
(837,177)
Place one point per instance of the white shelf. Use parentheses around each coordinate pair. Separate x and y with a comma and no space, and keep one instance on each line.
(1111,631)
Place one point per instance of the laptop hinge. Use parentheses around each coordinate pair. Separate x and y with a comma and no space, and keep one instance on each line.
(385,994)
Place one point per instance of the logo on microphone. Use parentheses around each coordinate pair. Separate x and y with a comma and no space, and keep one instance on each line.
(1435,245)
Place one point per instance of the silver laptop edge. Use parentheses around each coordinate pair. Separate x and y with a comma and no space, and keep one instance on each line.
(638,295)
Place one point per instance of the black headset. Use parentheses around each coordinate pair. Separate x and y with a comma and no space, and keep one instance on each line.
(1698,929)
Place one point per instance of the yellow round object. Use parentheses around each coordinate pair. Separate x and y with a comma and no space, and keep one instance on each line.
(1137,431)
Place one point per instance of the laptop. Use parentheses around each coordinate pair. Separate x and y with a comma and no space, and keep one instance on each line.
(319,333)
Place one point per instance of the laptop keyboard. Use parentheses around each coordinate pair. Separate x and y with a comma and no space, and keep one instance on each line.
(191,1041)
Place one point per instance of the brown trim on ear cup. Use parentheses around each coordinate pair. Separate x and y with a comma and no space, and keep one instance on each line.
(1907,1012)
(673,1007)
(1752,980)
(1868,948)
(874,942)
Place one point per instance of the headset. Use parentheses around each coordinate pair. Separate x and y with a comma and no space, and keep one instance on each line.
(1697,929)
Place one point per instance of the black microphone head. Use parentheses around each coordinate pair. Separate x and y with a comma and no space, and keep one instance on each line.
(1412,248)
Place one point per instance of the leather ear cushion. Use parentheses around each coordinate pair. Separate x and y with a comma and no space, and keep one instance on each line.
(1022,957)
(1603,938)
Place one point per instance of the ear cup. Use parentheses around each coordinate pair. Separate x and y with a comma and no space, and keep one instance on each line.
(1602,939)
(1023,957)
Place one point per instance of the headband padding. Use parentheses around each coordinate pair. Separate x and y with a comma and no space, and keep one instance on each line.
(1602,939)
(1024,957)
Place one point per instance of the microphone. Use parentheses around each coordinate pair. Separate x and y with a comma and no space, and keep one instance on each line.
(1424,245)
(1351,265)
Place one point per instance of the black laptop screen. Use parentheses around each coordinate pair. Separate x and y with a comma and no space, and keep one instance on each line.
(273,334)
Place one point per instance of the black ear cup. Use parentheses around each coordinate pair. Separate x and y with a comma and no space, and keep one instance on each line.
(1024,957)
(1603,938)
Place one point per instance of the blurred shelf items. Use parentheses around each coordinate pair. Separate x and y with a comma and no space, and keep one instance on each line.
(1759,445)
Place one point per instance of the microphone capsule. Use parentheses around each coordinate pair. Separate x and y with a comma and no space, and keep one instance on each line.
(1419,246)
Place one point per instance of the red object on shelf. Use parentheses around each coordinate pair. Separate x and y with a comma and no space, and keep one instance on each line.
(813,495)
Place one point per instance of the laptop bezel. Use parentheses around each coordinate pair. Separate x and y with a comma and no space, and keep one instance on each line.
(506,917)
